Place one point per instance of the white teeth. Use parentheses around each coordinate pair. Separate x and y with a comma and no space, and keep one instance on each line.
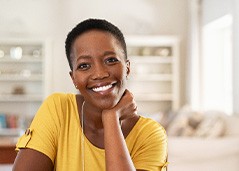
(103,88)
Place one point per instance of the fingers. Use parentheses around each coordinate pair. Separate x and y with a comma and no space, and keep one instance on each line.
(128,94)
(135,108)
(126,108)
(127,105)
(127,99)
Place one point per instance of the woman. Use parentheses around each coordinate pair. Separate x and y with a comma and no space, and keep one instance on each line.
(98,129)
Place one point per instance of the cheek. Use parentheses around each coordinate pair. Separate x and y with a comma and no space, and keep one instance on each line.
(122,76)
(122,70)
(80,81)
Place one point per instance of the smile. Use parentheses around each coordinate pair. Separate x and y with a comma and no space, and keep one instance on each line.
(102,88)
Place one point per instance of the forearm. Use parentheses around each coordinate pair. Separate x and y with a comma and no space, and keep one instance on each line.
(116,151)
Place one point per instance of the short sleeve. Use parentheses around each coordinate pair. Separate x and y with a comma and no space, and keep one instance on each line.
(151,153)
(42,133)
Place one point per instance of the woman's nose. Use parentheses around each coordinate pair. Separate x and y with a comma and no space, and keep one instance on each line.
(100,72)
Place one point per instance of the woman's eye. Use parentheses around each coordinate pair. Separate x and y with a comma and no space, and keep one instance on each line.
(84,66)
(112,60)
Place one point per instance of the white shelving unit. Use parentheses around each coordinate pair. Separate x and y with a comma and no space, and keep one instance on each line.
(24,80)
(154,78)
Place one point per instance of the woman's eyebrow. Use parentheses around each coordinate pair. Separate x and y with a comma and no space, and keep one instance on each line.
(83,57)
(109,53)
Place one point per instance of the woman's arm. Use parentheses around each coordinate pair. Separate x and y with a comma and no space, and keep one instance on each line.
(116,151)
(29,160)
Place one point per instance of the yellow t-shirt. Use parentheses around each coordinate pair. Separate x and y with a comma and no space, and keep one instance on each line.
(56,132)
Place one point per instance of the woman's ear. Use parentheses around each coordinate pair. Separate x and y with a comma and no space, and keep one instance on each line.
(127,67)
(71,74)
(73,78)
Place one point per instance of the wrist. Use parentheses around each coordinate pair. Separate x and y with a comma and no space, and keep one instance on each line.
(110,117)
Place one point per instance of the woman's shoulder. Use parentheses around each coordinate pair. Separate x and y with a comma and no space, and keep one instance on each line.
(148,125)
(57,95)
(146,130)
(60,97)
(60,100)
(148,122)
(59,105)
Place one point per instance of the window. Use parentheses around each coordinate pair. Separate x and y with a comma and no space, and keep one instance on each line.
(216,70)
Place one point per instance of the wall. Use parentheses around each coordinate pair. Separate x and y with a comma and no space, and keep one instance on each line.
(27,18)
(213,9)
(54,18)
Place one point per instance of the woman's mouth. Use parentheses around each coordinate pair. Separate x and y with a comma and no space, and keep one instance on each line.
(102,88)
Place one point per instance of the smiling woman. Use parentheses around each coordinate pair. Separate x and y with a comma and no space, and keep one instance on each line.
(98,129)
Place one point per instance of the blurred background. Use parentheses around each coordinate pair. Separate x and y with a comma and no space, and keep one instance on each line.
(184,59)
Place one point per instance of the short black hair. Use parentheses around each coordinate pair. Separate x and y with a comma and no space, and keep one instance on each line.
(91,24)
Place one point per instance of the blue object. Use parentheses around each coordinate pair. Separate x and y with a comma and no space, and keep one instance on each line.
(3,123)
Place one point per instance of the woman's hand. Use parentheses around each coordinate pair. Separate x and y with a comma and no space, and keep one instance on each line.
(125,108)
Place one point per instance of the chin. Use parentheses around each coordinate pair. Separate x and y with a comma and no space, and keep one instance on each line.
(108,104)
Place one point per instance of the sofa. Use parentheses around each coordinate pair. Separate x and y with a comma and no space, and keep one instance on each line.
(195,153)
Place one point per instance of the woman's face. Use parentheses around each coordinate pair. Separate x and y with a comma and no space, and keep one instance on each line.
(99,68)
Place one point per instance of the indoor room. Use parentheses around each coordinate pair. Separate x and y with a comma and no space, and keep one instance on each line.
(183,70)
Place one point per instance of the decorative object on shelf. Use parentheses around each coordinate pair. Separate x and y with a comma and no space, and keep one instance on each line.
(2,53)
(18,90)
(164,52)
(16,53)
(25,73)
(146,51)
(8,121)
(36,53)
(12,121)
(3,123)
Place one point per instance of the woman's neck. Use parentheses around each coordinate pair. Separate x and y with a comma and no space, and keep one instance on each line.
(92,116)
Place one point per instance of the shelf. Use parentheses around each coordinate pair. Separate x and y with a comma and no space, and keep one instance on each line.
(153,97)
(154,77)
(10,132)
(151,77)
(25,59)
(150,59)
(20,98)
(25,78)
(19,77)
